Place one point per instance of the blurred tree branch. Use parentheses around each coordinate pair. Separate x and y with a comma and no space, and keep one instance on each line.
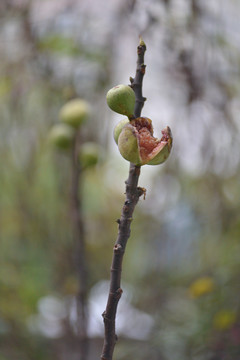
(79,249)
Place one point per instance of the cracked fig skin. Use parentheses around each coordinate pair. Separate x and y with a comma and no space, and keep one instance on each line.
(137,144)
(121,99)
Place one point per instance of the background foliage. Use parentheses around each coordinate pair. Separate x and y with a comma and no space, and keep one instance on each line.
(181,269)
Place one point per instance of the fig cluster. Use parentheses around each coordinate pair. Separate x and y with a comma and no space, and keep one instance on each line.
(63,134)
(134,136)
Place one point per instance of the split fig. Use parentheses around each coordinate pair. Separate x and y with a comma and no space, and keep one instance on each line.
(137,144)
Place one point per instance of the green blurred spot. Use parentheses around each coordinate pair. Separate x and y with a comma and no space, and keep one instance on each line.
(59,44)
(5,86)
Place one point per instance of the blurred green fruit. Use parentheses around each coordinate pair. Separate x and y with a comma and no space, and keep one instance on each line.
(89,154)
(121,99)
(74,112)
(61,135)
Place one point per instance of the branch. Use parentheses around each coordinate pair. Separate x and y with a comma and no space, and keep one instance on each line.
(79,251)
(133,193)
(136,83)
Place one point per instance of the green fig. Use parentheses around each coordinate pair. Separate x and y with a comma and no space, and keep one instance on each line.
(128,144)
(137,144)
(118,128)
(74,112)
(89,154)
(61,135)
(121,99)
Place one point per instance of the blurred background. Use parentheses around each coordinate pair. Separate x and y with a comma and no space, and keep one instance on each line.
(182,265)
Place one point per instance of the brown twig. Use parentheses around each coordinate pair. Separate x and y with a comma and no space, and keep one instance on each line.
(79,252)
(133,193)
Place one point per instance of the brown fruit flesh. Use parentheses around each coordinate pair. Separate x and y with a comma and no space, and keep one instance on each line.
(147,143)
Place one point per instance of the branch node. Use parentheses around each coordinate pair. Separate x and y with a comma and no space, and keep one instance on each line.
(143,69)
(105,318)
(141,48)
(118,248)
(119,293)
(142,191)
(126,206)
(115,295)
(118,221)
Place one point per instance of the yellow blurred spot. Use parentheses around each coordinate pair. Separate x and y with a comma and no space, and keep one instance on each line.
(224,319)
(5,87)
(201,286)
(141,42)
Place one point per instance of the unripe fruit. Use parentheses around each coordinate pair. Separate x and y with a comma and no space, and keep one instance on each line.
(118,128)
(61,135)
(121,99)
(137,144)
(74,112)
(128,145)
(89,154)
